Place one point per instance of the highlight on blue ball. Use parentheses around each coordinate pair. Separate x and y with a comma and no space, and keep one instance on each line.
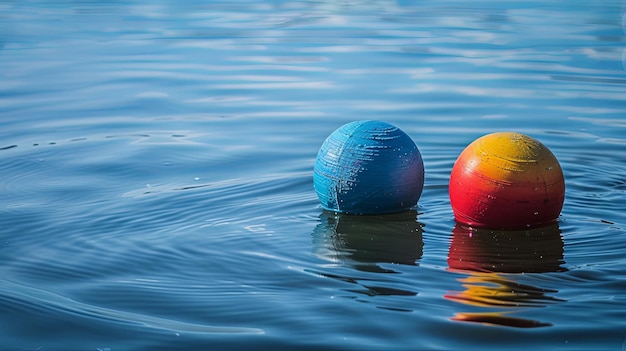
(368,167)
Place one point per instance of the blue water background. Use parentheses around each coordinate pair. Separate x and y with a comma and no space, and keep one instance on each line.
(156,174)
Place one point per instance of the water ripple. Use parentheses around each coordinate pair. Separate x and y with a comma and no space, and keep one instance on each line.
(35,301)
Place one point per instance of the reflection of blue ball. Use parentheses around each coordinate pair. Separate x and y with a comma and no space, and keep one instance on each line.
(368,167)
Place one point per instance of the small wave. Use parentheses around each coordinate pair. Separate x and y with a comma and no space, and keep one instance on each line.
(13,295)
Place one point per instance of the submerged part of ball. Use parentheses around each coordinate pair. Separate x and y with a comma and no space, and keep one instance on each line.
(368,167)
(506,181)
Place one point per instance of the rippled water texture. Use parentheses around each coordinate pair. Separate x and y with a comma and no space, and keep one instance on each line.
(156,165)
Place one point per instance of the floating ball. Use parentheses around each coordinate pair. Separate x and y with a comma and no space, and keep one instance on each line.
(368,167)
(506,181)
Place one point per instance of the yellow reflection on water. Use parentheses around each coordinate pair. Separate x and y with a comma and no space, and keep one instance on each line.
(492,260)
(492,289)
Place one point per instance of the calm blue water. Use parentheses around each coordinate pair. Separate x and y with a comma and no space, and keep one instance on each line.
(156,174)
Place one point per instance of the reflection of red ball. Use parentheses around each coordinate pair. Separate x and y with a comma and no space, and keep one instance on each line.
(506,181)
(507,251)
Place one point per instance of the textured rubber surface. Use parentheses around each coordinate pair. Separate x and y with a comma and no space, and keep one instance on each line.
(368,167)
(506,180)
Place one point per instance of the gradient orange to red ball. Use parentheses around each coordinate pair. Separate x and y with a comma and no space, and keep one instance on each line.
(506,180)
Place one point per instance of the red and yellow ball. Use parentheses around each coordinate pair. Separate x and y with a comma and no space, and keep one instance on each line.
(508,181)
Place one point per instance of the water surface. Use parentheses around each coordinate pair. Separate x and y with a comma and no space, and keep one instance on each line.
(156,175)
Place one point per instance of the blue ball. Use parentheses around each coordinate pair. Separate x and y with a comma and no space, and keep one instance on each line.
(368,167)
